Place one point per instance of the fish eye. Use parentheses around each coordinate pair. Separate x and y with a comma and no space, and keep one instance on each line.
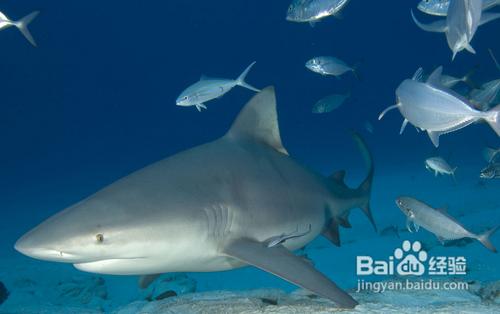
(99,237)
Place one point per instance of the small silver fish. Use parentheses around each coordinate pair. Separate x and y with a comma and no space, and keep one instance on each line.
(314,10)
(328,65)
(492,171)
(329,103)
(440,7)
(460,25)
(210,88)
(277,240)
(437,109)
(438,222)
(21,24)
(439,166)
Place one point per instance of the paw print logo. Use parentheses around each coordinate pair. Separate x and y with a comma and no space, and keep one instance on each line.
(411,258)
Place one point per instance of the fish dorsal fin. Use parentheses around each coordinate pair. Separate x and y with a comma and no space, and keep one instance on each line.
(418,75)
(258,121)
(338,176)
(435,78)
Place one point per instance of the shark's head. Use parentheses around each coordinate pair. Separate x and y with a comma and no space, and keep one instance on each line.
(404,203)
(83,233)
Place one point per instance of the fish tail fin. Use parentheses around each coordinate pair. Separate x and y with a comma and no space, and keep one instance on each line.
(494,119)
(23,23)
(355,70)
(467,78)
(241,79)
(365,187)
(484,238)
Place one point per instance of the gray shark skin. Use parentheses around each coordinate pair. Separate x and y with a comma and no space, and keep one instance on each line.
(211,208)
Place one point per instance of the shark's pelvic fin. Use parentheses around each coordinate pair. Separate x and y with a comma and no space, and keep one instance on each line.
(281,262)
(258,121)
(331,232)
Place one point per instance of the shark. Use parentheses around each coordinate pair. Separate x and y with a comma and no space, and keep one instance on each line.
(240,200)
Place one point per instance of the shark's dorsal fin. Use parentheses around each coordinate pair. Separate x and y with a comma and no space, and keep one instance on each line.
(258,121)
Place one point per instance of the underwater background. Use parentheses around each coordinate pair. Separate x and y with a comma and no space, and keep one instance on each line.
(96,100)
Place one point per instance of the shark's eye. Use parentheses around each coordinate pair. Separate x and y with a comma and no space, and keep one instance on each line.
(99,237)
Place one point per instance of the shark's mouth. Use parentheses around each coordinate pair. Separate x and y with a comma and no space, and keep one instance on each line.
(113,266)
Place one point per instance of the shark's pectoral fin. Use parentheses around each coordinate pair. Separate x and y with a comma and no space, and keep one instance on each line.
(146,280)
(279,261)
(331,232)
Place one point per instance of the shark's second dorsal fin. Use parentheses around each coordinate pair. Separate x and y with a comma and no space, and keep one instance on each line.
(258,121)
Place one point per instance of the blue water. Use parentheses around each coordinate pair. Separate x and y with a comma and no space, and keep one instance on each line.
(96,99)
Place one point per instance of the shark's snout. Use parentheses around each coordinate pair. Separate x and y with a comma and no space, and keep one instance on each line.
(28,246)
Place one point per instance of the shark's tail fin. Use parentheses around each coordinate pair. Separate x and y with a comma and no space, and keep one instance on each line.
(241,79)
(361,195)
(365,189)
(22,25)
(484,238)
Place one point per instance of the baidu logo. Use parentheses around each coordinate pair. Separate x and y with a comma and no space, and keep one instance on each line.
(410,259)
